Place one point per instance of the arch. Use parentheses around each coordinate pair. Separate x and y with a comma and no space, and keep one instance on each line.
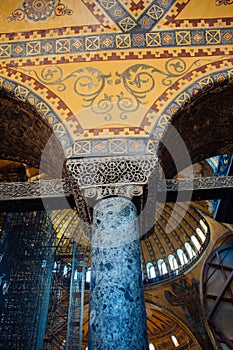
(163,324)
(175,341)
(201,234)
(182,256)
(189,250)
(162,267)
(28,122)
(150,270)
(173,262)
(196,243)
(196,114)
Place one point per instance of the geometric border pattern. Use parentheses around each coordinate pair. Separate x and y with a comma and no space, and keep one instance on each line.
(31,95)
(148,145)
(207,83)
(108,42)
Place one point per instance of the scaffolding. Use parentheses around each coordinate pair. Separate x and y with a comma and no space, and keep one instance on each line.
(26,248)
(42,281)
(76,301)
(64,326)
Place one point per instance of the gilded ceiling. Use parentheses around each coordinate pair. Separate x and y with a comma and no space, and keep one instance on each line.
(117,70)
(107,78)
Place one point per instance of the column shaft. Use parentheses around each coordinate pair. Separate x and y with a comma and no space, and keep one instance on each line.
(117,317)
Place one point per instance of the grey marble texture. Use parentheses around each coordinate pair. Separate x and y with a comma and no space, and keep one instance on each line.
(117,311)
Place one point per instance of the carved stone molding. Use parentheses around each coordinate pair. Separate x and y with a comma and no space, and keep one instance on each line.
(192,184)
(127,170)
(63,187)
(98,178)
(33,190)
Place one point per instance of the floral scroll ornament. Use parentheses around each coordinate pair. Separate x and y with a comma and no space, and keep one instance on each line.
(133,85)
(39,10)
(223,2)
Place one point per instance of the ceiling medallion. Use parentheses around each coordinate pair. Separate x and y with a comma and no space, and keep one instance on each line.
(39,10)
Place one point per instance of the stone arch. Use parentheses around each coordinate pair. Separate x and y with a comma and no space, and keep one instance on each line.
(163,323)
(29,123)
(203,116)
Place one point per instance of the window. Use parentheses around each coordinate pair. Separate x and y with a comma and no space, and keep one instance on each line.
(88,275)
(175,341)
(200,234)
(196,242)
(189,250)
(162,267)
(150,270)
(151,346)
(204,226)
(182,257)
(173,262)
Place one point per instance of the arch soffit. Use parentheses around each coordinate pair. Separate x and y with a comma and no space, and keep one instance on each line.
(212,86)
(169,322)
(41,102)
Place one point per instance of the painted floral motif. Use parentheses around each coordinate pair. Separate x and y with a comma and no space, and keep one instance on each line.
(94,87)
(39,10)
(224,2)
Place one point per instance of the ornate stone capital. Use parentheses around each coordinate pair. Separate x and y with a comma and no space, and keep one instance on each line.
(95,178)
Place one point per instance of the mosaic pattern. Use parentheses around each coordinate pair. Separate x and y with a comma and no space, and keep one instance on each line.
(43,101)
(117,306)
(126,19)
(206,137)
(94,87)
(96,144)
(114,42)
(204,84)
(39,10)
(114,146)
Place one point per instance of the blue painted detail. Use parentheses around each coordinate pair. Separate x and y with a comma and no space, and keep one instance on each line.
(116,41)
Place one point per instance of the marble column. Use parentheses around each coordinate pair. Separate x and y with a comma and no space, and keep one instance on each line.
(117,318)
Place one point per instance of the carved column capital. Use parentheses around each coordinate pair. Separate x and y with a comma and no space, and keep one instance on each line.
(93,179)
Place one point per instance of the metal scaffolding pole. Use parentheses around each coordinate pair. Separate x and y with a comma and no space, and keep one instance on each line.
(76,300)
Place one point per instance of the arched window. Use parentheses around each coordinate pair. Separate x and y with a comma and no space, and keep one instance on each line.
(189,250)
(204,226)
(162,267)
(173,262)
(175,341)
(88,275)
(182,257)
(151,346)
(150,270)
(200,234)
(195,242)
